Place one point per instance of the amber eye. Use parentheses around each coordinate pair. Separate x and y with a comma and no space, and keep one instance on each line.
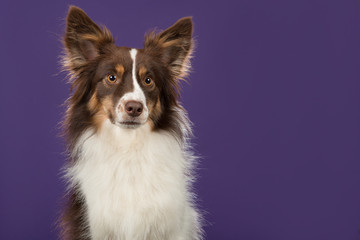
(111,78)
(148,81)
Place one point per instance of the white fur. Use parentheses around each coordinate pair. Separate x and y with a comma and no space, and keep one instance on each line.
(135,185)
(136,95)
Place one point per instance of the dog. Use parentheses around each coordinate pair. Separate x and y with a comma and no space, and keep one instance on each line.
(130,167)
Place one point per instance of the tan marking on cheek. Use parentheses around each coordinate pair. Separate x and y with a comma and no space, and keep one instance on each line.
(119,69)
(155,112)
(93,103)
(102,111)
(158,106)
(152,124)
(107,104)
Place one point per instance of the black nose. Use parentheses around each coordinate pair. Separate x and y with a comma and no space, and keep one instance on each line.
(133,108)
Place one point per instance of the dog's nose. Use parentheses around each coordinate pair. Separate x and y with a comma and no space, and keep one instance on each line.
(133,108)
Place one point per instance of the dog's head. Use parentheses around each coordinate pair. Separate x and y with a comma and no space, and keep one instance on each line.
(129,87)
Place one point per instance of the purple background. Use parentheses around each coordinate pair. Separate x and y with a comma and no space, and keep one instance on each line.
(274,96)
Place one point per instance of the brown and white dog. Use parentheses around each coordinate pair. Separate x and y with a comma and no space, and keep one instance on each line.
(130,168)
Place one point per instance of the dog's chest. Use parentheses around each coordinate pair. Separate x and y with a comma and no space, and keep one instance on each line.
(132,189)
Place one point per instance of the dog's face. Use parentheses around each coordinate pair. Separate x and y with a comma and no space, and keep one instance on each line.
(130,87)
(126,88)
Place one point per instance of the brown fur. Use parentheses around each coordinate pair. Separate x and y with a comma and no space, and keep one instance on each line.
(73,220)
(119,69)
(90,56)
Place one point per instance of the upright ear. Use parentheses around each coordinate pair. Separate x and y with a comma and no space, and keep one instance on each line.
(83,38)
(175,45)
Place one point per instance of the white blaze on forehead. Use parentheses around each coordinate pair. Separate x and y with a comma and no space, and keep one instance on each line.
(136,95)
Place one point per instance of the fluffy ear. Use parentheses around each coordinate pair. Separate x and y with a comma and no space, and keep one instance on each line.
(83,38)
(174,46)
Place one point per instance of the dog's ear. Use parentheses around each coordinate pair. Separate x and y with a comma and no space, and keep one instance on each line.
(83,39)
(174,45)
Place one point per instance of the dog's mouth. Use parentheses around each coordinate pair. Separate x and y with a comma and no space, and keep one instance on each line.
(129,124)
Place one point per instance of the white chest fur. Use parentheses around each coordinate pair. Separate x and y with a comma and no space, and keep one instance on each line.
(134,184)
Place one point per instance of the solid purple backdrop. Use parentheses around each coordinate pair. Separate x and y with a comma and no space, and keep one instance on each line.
(274,97)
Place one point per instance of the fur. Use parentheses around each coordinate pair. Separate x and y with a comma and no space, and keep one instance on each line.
(129,177)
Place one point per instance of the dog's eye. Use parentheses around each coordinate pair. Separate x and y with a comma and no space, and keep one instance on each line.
(111,78)
(148,81)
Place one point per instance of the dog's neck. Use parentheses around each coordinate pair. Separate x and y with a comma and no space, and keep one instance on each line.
(132,171)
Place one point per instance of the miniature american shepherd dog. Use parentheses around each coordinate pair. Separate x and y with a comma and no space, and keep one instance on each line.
(130,165)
